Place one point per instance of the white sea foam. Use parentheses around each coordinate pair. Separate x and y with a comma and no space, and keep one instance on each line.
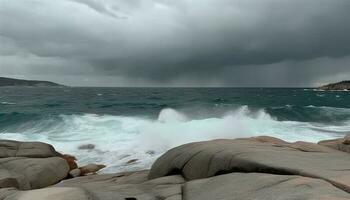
(327,109)
(119,139)
(7,103)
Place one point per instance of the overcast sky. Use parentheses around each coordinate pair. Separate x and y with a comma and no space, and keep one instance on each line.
(272,43)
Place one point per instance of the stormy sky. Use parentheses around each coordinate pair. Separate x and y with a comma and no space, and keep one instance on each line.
(239,43)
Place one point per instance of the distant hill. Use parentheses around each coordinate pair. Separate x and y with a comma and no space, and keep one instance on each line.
(20,82)
(343,85)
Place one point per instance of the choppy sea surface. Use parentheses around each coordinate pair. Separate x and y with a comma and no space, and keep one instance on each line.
(142,123)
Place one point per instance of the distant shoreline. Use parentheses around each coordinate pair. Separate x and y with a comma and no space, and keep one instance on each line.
(68,86)
(12,82)
(340,86)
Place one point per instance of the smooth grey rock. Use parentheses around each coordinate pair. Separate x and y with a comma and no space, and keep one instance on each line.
(127,185)
(54,193)
(32,173)
(30,165)
(175,197)
(75,173)
(206,159)
(9,148)
(8,193)
(261,168)
(254,186)
(87,147)
(7,179)
(341,144)
(233,186)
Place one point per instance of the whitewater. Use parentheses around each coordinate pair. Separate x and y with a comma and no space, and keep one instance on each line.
(120,139)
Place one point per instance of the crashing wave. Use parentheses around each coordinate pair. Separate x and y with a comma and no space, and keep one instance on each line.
(119,139)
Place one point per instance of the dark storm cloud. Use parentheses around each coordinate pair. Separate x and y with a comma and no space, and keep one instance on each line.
(183,42)
(100,7)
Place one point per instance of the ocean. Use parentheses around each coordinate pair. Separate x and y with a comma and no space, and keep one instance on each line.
(140,124)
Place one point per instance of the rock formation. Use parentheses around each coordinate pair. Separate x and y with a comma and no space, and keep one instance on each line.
(263,168)
(87,147)
(90,169)
(71,160)
(30,165)
(341,144)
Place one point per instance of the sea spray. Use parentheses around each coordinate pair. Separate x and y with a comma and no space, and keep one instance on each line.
(119,139)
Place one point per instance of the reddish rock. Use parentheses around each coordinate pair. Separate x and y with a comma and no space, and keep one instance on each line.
(71,161)
(90,169)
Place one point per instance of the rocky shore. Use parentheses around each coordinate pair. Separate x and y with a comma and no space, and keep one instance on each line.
(261,168)
(343,85)
(20,82)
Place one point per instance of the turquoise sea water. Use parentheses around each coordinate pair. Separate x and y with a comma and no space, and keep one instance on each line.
(142,123)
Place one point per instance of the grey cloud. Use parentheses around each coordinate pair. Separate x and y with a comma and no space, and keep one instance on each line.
(101,7)
(184,42)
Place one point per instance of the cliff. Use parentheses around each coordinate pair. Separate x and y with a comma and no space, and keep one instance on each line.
(20,82)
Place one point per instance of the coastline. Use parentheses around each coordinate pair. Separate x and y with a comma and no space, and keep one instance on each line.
(247,168)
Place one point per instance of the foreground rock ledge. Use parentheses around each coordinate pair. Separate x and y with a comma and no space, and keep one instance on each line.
(30,165)
(261,168)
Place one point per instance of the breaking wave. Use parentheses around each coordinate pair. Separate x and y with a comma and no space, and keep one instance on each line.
(119,139)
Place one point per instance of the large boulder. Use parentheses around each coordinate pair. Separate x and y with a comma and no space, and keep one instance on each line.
(242,186)
(46,194)
(10,148)
(30,165)
(32,173)
(206,159)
